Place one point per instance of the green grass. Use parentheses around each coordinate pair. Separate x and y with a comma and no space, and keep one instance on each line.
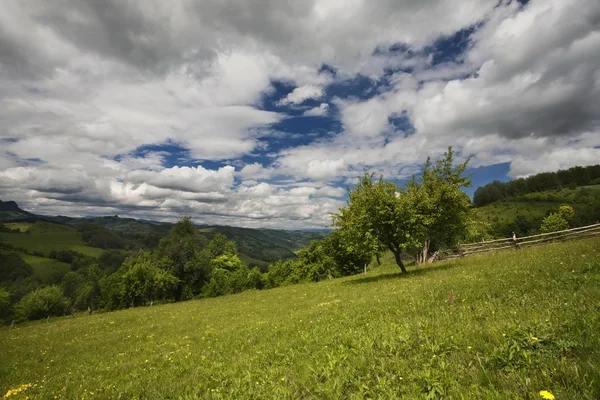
(46,270)
(497,326)
(21,226)
(44,237)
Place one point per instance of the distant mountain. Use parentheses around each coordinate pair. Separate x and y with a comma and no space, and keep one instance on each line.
(10,211)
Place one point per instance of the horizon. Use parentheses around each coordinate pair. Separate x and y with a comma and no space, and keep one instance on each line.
(258,115)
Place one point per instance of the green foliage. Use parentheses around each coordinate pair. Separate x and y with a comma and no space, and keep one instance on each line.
(13,268)
(554,222)
(220,245)
(441,209)
(523,214)
(566,212)
(111,260)
(144,278)
(41,303)
(431,208)
(5,305)
(185,260)
(98,236)
(571,178)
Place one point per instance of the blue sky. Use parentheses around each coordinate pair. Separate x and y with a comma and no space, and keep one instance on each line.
(260,113)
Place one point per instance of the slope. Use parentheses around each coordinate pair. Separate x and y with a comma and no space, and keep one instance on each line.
(524,213)
(490,327)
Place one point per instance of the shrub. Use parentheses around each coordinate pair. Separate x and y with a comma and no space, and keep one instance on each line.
(41,303)
(5,305)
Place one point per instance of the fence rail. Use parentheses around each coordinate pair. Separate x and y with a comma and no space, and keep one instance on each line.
(467,249)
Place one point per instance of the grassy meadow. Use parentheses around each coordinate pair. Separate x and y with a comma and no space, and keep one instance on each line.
(496,326)
(44,237)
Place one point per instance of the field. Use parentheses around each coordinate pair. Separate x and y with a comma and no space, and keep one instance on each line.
(21,226)
(44,237)
(46,270)
(498,326)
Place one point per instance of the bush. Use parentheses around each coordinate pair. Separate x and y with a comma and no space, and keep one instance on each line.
(43,302)
(553,223)
(5,305)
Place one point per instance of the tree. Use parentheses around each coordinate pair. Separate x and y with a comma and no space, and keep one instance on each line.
(441,209)
(377,214)
(220,245)
(143,278)
(566,212)
(182,249)
(553,223)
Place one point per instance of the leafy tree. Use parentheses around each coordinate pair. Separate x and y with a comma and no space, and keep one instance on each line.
(185,260)
(349,257)
(377,214)
(280,273)
(554,222)
(145,278)
(441,209)
(42,302)
(566,212)
(111,260)
(220,245)
(228,261)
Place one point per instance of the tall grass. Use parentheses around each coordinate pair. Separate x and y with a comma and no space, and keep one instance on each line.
(499,326)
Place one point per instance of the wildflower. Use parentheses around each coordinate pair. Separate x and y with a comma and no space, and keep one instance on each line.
(546,395)
(20,389)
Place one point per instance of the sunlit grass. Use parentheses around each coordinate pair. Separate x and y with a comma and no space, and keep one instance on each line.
(500,326)
(45,242)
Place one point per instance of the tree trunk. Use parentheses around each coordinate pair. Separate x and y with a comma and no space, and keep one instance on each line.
(399,261)
(425,250)
(378,260)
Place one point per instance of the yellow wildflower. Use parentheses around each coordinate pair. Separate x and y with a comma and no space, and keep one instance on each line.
(20,389)
(546,395)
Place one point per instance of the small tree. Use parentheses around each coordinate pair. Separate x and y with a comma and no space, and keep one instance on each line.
(185,260)
(440,207)
(377,214)
(41,303)
(553,223)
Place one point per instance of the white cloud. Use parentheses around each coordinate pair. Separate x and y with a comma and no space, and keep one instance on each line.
(190,179)
(301,94)
(320,111)
(83,85)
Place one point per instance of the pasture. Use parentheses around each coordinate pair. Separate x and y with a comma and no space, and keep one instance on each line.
(44,237)
(496,326)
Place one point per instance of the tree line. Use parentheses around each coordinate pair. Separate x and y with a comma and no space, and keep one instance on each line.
(570,178)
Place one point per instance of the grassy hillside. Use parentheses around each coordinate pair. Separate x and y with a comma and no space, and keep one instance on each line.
(535,206)
(46,270)
(45,236)
(500,326)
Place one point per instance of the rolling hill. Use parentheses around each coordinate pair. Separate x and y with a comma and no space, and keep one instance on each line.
(257,247)
(496,326)
(524,214)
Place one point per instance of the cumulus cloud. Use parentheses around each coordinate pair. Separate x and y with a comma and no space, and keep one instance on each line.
(301,94)
(92,96)
(320,111)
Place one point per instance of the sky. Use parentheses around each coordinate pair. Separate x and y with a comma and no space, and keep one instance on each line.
(259,113)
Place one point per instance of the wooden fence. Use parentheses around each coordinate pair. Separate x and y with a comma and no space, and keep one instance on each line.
(467,249)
